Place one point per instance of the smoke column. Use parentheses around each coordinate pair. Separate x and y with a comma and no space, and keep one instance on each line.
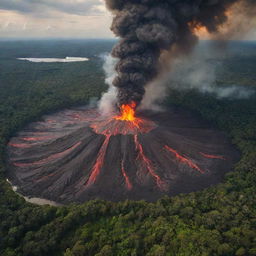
(108,99)
(150,29)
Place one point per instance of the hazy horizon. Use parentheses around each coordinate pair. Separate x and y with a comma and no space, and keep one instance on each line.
(97,39)
(61,19)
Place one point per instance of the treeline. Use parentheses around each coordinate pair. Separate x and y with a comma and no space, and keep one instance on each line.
(220,220)
(217,221)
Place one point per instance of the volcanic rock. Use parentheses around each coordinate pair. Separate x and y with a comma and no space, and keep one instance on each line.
(76,155)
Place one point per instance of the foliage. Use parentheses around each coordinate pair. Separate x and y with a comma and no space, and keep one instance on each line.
(217,221)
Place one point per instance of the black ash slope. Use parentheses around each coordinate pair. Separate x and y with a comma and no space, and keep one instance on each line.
(61,158)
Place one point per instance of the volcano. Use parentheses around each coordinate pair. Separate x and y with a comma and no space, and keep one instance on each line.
(76,155)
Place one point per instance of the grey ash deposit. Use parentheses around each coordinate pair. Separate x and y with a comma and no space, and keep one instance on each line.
(62,157)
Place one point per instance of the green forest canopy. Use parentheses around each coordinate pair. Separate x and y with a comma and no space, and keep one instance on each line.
(220,220)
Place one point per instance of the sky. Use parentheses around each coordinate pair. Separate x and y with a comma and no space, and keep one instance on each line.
(54,19)
(59,19)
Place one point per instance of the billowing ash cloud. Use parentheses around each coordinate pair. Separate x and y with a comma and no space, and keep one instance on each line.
(149,27)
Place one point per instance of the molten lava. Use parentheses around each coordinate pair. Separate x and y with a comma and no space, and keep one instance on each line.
(82,155)
(127,112)
(127,180)
(99,162)
(183,159)
(212,156)
(143,159)
(125,123)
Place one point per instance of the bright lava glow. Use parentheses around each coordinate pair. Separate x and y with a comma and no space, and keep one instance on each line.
(127,112)
(148,164)
(212,156)
(183,159)
(99,162)
(125,123)
(127,180)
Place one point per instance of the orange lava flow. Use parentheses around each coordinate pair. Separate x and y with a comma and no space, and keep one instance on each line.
(183,159)
(20,145)
(126,123)
(38,138)
(127,181)
(48,159)
(127,112)
(212,156)
(99,162)
(148,163)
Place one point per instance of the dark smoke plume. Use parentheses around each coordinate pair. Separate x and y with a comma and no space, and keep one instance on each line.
(148,27)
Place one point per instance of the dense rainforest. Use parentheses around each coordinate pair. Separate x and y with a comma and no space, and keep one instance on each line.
(220,220)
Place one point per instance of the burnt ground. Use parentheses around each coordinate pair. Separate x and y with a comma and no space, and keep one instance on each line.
(61,158)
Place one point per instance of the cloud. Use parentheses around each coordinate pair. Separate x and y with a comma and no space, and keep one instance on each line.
(78,7)
(15,24)
(54,19)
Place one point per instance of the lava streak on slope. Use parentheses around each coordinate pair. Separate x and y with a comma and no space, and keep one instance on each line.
(126,178)
(212,156)
(117,157)
(99,162)
(125,123)
(184,160)
(145,161)
(48,159)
